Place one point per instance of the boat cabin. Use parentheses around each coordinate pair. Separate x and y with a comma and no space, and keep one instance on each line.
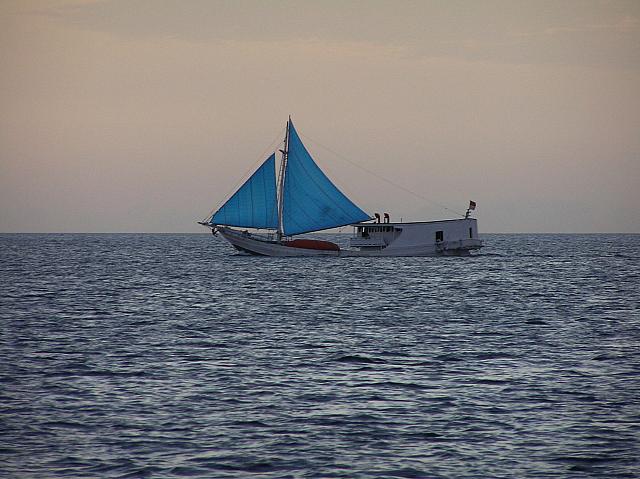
(375,235)
(437,236)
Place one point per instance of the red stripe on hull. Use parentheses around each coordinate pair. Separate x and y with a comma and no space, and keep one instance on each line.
(312,244)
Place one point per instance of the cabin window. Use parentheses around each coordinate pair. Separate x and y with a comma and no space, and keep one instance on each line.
(470,232)
(439,235)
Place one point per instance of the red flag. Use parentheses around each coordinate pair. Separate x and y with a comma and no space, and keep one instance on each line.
(472,205)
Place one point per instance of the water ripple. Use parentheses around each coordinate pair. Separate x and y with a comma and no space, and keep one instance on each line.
(165,356)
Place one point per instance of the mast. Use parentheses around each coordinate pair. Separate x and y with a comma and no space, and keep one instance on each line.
(281,174)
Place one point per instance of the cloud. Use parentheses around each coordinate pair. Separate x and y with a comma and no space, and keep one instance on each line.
(626,24)
(582,33)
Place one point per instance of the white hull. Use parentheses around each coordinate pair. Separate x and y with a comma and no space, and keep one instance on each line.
(455,238)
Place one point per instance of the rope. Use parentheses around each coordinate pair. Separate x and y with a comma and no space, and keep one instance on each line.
(243,178)
(380,177)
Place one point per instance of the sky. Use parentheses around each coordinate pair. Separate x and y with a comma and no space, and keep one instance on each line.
(143,115)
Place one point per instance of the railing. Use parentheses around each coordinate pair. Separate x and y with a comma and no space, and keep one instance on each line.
(359,242)
(259,236)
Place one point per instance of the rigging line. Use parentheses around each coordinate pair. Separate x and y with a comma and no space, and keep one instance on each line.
(230,192)
(407,190)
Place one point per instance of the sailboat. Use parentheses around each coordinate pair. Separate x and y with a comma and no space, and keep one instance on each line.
(302,199)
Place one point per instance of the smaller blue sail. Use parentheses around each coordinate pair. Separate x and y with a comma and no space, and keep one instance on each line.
(311,202)
(254,205)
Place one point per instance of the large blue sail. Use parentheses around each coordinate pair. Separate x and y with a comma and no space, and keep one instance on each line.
(254,204)
(311,202)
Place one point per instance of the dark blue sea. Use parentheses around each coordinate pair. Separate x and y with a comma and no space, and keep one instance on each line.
(169,356)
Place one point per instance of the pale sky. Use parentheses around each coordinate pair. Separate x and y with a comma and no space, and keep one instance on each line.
(141,115)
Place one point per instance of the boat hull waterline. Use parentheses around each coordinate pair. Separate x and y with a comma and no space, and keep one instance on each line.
(411,245)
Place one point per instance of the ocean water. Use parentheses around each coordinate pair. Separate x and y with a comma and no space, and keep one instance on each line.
(166,356)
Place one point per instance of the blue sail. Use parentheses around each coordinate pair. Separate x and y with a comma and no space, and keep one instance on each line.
(311,202)
(254,204)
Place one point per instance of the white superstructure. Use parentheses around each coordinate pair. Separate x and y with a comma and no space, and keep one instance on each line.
(423,238)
